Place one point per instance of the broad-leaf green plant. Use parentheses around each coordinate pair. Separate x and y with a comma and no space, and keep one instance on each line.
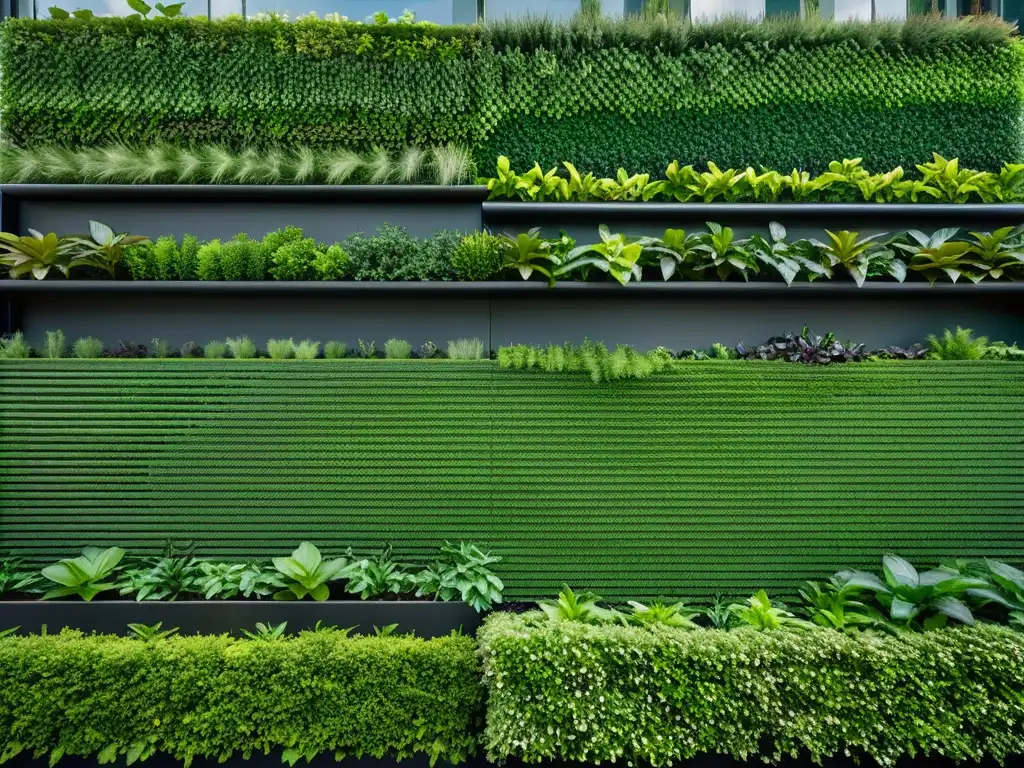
(36,254)
(307,573)
(937,254)
(614,255)
(858,257)
(103,249)
(528,252)
(86,575)
(759,612)
(663,614)
(569,606)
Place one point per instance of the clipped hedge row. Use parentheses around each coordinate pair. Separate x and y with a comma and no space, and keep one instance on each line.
(631,94)
(571,691)
(71,694)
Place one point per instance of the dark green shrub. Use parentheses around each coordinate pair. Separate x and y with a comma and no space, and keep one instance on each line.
(563,690)
(241,259)
(477,257)
(319,692)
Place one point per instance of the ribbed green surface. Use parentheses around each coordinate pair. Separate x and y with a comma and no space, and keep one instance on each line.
(724,477)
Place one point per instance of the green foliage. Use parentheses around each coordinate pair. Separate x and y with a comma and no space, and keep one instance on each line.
(335,350)
(224,581)
(528,252)
(590,357)
(161,578)
(165,163)
(462,571)
(241,348)
(215,350)
(372,577)
(281,349)
(745,693)
(162,348)
(659,613)
(85,575)
(14,347)
(307,349)
(596,92)
(87,348)
(958,345)
(331,263)
(582,608)
(759,612)
(307,573)
(937,254)
(615,255)
(149,632)
(477,257)
(106,698)
(916,600)
(241,259)
(466,349)
(208,266)
(266,632)
(294,261)
(103,249)
(36,254)
(397,349)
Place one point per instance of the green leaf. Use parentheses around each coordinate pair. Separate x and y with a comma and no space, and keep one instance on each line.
(139,6)
(58,13)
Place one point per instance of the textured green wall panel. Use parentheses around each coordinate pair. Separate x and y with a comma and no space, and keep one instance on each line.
(721,478)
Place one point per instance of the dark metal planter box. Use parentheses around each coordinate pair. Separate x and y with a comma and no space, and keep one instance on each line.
(213,617)
(677,315)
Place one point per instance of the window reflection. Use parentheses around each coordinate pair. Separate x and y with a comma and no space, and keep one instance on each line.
(713,9)
(849,10)
(553,9)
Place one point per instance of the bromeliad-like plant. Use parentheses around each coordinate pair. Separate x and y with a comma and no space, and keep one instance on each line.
(528,253)
(834,605)
(759,612)
(915,599)
(1002,251)
(162,578)
(85,575)
(615,255)
(36,253)
(569,606)
(663,614)
(724,253)
(675,249)
(936,254)
(103,249)
(307,573)
(785,258)
(227,580)
(859,257)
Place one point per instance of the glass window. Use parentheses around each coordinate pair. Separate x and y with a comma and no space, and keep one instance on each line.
(848,10)
(437,11)
(713,9)
(890,9)
(553,9)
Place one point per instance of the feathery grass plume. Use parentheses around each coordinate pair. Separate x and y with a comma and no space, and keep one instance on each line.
(161,348)
(451,164)
(49,163)
(307,350)
(281,349)
(215,350)
(410,165)
(87,348)
(55,345)
(397,349)
(466,349)
(218,164)
(340,164)
(304,166)
(960,345)
(367,350)
(335,350)
(380,167)
(189,164)
(14,347)
(241,348)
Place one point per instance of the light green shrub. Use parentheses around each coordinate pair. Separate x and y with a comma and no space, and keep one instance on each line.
(281,349)
(319,692)
(466,349)
(55,345)
(335,350)
(569,691)
(477,256)
(397,349)
(87,348)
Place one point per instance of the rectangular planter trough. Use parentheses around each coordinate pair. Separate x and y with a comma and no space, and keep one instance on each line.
(213,617)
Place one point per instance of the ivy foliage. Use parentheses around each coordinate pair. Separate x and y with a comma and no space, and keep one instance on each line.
(571,691)
(601,94)
(107,697)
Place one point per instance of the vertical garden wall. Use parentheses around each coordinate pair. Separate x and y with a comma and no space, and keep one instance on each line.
(462,316)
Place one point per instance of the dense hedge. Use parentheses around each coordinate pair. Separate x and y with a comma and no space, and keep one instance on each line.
(71,694)
(633,94)
(570,691)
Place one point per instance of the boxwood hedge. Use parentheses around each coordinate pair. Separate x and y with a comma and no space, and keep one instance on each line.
(104,696)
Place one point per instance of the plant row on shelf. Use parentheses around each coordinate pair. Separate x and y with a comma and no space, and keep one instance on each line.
(392,255)
(590,357)
(846,181)
(461,572)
